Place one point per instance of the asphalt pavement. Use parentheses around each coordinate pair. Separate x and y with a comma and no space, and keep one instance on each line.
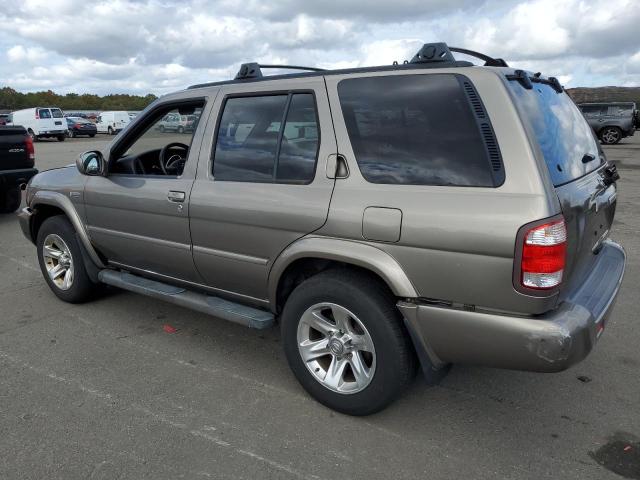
(128,387)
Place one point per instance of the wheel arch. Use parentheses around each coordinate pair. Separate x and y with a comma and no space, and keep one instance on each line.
(46,204)
(315,254)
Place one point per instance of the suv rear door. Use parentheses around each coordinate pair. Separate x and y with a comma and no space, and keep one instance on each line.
(261,181)
(577,168)
(46,122)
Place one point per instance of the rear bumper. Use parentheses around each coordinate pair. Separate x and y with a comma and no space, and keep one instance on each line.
(545,343)
(53,133)
(13,178)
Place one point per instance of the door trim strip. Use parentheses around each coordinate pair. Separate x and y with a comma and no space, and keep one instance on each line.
(140,238)
(230,255)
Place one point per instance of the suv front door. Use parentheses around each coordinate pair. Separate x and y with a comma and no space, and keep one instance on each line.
(138,215)
(261,181)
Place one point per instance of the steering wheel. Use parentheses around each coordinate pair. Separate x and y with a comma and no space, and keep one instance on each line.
(172,164)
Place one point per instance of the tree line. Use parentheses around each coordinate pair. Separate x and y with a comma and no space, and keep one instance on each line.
(11,99)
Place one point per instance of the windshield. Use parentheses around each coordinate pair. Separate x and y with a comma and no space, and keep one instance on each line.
(563,134)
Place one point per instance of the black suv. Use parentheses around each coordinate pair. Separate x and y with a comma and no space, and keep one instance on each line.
(611,121)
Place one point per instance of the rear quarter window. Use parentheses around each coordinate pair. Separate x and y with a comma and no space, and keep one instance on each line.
(415,130)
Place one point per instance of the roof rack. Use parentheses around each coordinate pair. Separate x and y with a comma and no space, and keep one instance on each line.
(254,70)
(431,55)
(441,52)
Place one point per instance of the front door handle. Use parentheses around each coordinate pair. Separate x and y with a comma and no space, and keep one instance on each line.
(174,196)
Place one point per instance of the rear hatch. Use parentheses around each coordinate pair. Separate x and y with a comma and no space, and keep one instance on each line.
(582,178)
(14,153)
(50,119)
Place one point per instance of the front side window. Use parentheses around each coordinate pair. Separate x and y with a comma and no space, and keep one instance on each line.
(414,130)
(158,150)
(267,139)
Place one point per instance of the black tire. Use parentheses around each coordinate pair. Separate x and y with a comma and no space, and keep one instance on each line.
(372,303)
(33,136)
(82,288)
(92,135)
(72,133)
(610,135)
(110,131)
(180,129)
(61,138)
(10,199)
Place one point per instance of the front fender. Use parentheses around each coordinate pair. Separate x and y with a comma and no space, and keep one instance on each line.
(57,199)
(347,251)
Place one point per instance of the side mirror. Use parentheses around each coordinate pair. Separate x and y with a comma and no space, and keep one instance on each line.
(91,163)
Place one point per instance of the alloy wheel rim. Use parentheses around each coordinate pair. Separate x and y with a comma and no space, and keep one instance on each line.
(58,261)
(336,348)
(611,136)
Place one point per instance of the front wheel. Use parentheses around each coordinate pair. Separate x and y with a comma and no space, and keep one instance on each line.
(61,261)
(610,135)
(345,342)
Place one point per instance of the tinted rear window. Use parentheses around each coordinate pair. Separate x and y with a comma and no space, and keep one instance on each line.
(44,113)
(562,132)
(414,130)
(57,113)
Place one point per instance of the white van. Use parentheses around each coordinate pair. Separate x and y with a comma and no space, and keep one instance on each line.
(41,122)
(112,122)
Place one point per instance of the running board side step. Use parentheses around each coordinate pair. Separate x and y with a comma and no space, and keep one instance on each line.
(215,306)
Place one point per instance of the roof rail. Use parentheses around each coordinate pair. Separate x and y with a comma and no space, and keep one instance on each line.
(488,61)
(254,70)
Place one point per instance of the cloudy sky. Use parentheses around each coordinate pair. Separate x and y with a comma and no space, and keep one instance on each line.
(157,46)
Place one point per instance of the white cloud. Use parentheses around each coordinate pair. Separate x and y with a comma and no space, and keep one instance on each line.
(161,45)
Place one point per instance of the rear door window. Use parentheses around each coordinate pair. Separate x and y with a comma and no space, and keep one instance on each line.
(267,139)
(44,113)
(564,136)
(415,130)
(56,112)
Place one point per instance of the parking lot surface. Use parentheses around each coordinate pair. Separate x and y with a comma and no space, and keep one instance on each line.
(130,387)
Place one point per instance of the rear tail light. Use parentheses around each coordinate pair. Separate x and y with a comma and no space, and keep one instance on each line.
(29,147)
(543,256)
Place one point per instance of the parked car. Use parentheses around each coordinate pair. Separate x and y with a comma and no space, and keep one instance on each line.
(174,122)
(611,121)
(386,216)
(75,115)
(41,122)
(79,126)
(112,122)
(17,157)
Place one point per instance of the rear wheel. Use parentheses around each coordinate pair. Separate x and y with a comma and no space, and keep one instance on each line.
(61,261)
(345,342)
(33,136)
(10,199)
(610,135)
(72,133)
(61,138)
(110,131)
(92,135)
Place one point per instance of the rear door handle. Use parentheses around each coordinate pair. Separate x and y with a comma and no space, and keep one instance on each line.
(177,197)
